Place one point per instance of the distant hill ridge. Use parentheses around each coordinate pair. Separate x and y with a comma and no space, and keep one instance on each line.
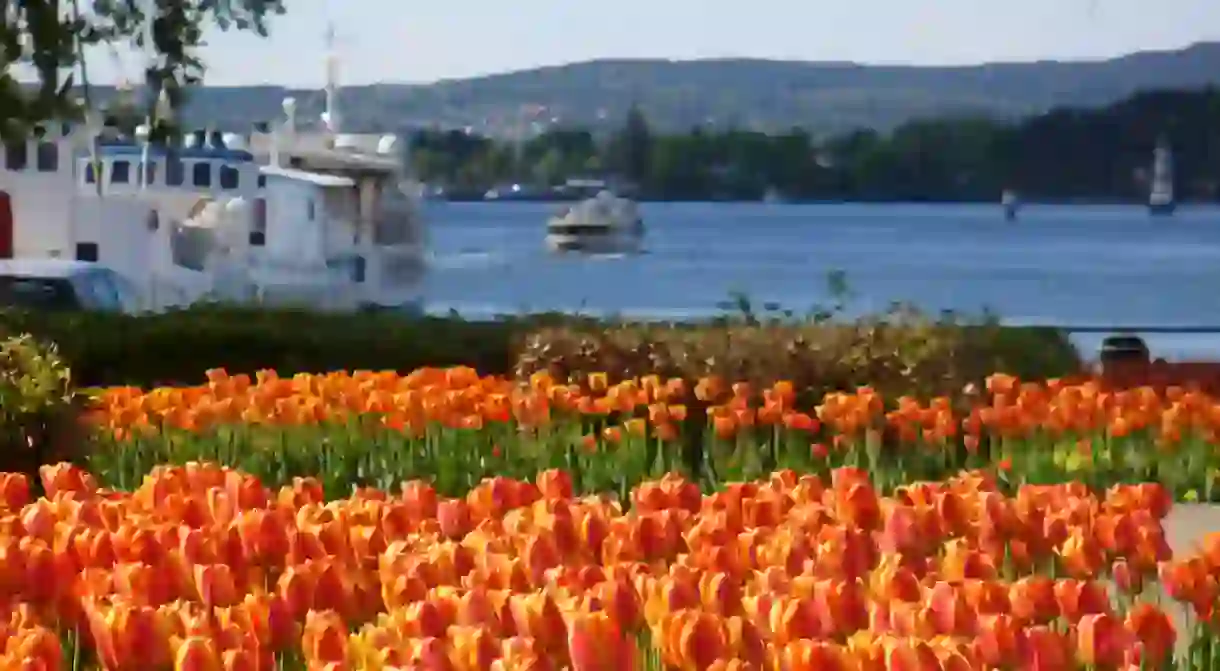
(823,97)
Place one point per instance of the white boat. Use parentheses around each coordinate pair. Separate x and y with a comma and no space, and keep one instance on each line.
(1161,199)
(312,217)
(604,224)
(1011,203)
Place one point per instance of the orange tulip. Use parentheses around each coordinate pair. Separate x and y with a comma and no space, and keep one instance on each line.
(1045,650)
(324,638)
(197,654)
(126,636)
(595,643)
(35,649)
(809,655)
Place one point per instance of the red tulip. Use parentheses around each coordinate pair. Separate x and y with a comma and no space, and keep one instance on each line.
(1101,640)
(1154,630)
(454,518)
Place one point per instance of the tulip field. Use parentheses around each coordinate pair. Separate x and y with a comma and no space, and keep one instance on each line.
(443,520)
(455,428)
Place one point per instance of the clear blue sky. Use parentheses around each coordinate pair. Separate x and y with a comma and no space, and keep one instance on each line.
(403,40)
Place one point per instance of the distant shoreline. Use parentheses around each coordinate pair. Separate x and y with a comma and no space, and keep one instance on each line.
(1084,202)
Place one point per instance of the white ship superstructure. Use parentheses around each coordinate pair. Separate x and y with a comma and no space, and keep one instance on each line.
(280,215)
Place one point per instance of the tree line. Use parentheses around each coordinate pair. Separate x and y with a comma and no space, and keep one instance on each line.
(1066,154)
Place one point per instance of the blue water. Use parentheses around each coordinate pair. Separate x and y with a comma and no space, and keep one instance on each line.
(1057,265)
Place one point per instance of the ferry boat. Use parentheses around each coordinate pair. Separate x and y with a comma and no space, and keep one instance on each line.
(1161,199)
(282,215)
(604,224)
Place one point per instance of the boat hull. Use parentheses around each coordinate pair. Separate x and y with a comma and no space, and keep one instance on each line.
(1162,209)
(593,244)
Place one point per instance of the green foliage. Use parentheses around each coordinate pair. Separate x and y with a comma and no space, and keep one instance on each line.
(38,406)
(363,454)
(177,347)
(902,349)
(40,33)
(1065,154)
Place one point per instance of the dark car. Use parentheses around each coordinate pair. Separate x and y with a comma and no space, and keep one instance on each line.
(53,284)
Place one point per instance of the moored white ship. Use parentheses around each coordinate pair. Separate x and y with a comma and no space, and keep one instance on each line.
(604,224)
(312,217)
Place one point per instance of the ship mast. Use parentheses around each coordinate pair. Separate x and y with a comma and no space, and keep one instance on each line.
(331,118)
(1162,169)
(1161,198)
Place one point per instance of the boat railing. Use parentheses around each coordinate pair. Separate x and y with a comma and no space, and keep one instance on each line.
(313,271)
(324,297)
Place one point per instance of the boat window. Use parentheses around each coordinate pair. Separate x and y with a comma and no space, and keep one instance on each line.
(175,172)
(354,266)
(262,181)
(311,210)
(202,174)
(38,292)
(150,172)
(48,157)
(86,251)
(16,155)
(228,177)
(120,172)
(90,173)
(260,215)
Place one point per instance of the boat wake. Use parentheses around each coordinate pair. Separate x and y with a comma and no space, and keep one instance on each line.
(467,260)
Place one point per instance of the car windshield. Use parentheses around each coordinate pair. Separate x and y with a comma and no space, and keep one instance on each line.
(47,293)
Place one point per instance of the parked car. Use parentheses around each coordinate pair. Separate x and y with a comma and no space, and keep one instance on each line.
(56,284)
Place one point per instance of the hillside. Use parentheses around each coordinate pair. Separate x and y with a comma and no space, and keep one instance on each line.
(766,95)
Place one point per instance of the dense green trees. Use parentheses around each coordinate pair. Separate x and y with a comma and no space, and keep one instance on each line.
(1067,154)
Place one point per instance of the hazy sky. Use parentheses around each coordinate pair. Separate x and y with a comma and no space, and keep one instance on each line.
(402,40)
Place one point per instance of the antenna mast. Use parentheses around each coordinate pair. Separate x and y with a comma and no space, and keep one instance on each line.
(330,118)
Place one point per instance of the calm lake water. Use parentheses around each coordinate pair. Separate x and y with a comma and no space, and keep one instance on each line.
(1057,265)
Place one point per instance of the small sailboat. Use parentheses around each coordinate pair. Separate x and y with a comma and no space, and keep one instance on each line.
(1160,199)
(1011,203)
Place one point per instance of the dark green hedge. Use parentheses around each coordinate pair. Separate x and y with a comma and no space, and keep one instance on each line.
(177,347)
